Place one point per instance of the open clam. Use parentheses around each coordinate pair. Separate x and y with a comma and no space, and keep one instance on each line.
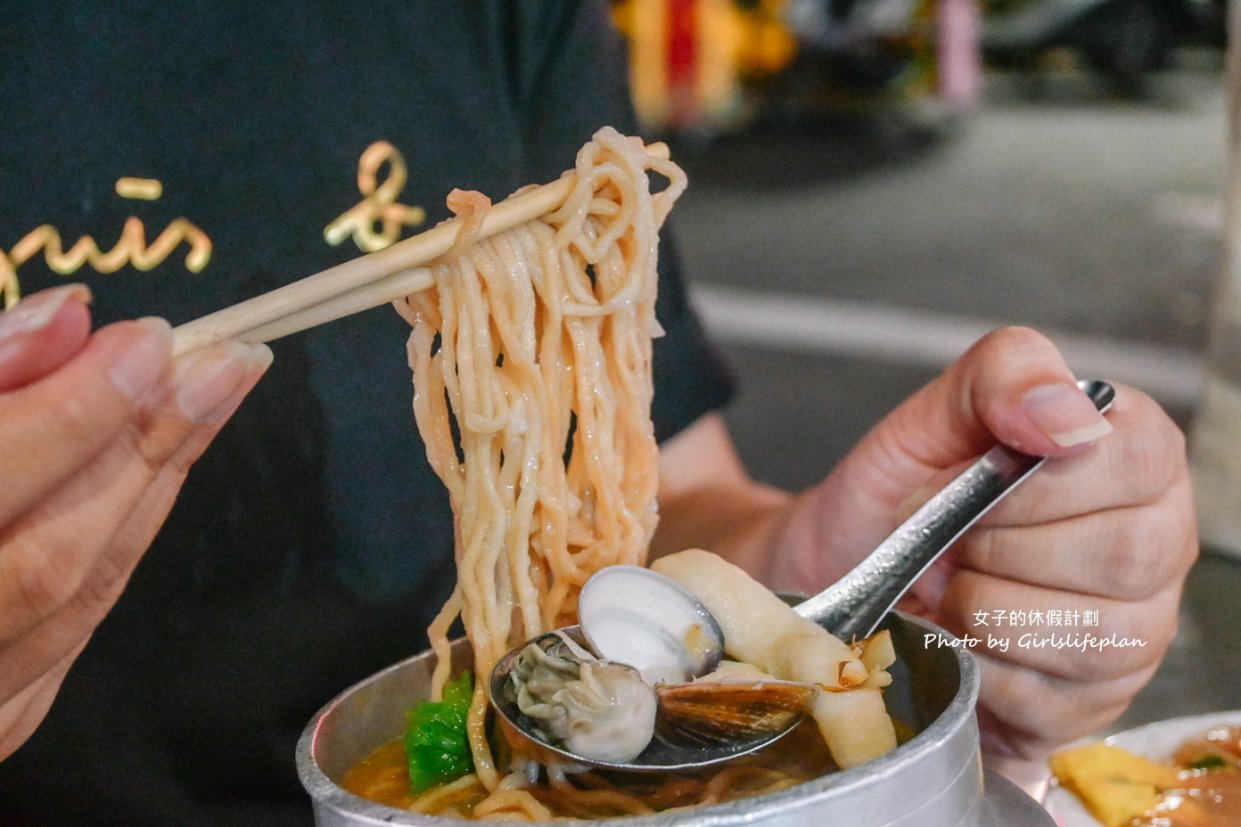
(596,709)
(548,692)
(711,714)
(650,622)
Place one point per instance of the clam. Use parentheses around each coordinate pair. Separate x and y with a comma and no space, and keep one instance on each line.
(729,712)
(573,705)
(642,618)
(568,698)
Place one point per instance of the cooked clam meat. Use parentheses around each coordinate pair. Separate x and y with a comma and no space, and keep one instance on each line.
(593,708)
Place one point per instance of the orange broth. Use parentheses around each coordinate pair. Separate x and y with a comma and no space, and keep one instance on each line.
(799,756)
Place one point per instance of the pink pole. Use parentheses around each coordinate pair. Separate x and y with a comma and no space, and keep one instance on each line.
(959,52)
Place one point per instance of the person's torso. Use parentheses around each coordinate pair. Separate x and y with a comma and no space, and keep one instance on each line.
(178,158)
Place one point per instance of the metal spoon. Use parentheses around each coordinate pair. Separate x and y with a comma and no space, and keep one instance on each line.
(696,724)
(852,608)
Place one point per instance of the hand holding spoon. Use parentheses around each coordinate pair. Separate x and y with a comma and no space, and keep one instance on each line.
(633,616)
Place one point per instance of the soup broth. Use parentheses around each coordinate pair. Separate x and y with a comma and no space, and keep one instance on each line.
(800,756)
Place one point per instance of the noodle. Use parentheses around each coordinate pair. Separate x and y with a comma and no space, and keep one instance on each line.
(531,360)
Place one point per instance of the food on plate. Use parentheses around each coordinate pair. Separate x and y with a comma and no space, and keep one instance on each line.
(1199,787)
(531,360)
(1216,749)
(1114,784)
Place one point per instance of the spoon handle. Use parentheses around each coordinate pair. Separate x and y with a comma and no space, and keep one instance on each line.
(853,607)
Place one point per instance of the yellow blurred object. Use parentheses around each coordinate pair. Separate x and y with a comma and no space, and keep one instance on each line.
(688,57)
(1114,784)
(764,45)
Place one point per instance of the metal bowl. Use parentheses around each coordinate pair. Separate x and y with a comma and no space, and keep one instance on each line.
(935,778)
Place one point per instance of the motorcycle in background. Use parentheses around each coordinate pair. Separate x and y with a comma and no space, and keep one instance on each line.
(1123,40)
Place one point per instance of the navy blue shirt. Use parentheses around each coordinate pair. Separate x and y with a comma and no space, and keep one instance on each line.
(312,544)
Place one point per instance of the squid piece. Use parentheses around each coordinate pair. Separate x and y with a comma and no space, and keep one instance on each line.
(855,725)
(760,628)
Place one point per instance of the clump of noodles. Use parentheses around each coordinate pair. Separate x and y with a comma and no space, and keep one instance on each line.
(533,349)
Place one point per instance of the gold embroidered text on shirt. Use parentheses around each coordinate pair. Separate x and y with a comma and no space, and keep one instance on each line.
(376,221)
(130,248)
(141,189)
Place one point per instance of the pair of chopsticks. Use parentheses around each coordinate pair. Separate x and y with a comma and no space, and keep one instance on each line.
(369,281)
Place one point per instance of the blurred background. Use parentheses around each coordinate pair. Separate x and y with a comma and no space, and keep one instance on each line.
(876,183)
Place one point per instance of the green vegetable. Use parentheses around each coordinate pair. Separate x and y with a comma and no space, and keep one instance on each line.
(1208,762)
(436,743)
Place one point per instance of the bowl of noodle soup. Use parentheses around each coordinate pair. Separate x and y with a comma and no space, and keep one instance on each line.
(531,357)
(934,777)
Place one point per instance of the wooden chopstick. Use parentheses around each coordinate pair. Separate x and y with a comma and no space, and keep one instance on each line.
(367,281)
(384,291)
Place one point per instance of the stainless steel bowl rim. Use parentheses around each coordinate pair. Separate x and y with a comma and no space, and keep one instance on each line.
(327,794)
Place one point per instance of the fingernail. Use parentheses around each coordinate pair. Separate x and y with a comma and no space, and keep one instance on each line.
(36,311)
(141,365)
(261,357)
(205,378)
(1065,414)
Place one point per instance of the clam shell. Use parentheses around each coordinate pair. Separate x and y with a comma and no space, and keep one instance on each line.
(707,713)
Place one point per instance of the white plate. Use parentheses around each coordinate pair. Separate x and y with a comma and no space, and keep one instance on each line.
(1157,741)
